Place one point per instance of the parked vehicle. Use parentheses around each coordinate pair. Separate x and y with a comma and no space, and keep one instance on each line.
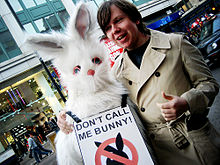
(209,40)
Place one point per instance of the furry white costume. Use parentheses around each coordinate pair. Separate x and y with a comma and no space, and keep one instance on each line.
(85,71)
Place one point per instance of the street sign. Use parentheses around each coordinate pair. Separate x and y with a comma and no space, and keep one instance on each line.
(112,136)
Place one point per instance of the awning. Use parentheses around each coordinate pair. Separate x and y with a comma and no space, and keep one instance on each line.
(166,20)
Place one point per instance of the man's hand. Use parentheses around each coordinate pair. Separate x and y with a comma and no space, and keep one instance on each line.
(63,124)
(172,109)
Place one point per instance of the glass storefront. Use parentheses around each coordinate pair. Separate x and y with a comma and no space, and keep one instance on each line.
(24,107)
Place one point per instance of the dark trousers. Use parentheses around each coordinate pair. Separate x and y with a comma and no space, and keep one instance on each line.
(36,151)
(43,149)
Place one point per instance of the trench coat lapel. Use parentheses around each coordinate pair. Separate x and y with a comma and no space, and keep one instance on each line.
(151,62)
(130,72)
(153,57)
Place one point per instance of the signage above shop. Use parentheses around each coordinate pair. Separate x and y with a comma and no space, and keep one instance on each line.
(166,20)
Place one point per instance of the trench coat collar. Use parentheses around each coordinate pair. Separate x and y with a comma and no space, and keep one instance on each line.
(159,40)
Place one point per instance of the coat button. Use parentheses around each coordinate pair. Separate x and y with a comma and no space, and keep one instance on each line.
(130,82)
(157,74)
(142,109)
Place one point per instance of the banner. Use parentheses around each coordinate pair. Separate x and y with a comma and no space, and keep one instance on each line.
(113,50)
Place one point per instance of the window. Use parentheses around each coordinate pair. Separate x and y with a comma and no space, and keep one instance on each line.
(32,3)
(51,22)
(3,55)
(38,16)
(29,3)
(64,16)
(41,25)
(140,2)
(38,2)
(15,5)
(29,28)
(8,47)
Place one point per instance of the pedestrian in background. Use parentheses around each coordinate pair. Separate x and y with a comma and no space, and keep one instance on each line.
(39,145)
(34,148)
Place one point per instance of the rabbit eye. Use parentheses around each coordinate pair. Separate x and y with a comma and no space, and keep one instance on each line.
(96,60)
(76,69)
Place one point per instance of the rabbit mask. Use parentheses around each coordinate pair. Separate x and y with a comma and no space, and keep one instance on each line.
(81,60)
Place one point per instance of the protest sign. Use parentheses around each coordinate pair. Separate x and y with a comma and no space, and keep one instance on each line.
(112,136)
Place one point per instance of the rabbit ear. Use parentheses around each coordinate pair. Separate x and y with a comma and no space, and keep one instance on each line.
(83,21)
(49,44)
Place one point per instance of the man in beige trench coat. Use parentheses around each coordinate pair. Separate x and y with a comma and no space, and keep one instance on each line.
(171,85)
(178,74)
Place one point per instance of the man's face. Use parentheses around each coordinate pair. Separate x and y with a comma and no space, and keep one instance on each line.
(122,30)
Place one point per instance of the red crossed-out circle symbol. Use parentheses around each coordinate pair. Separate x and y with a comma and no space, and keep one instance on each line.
(101,152)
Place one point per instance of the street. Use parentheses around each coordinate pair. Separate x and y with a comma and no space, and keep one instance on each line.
(47,160)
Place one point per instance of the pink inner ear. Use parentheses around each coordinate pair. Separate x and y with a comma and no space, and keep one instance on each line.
(82,21)
(49,44)
(82,30)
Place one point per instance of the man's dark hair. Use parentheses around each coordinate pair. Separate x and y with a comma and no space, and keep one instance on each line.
(27,134)
(104,14)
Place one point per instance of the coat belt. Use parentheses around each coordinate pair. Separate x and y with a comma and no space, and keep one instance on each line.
(177,130)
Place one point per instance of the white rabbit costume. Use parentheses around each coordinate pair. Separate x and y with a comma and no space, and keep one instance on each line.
(85,70)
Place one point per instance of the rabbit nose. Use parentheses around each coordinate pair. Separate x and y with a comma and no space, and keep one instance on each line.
(90,72)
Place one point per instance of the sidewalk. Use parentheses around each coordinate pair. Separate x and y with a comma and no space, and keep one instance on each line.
(47,160)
